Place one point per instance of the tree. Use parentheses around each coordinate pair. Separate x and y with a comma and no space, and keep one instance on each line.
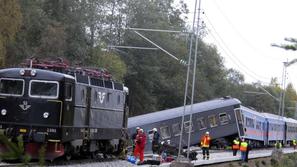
(291,46)
(290,101)
(112,62)
(10,21)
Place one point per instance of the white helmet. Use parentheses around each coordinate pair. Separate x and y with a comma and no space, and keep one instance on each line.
(155,129)
(207,133)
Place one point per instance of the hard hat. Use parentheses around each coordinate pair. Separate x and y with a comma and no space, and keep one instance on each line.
(155,129)
(207,133)
(137,128)
(141,130)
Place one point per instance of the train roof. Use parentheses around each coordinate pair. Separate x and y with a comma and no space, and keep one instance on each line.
(178,111)
(291,120)
(252,111)
(40,74)
(273,116)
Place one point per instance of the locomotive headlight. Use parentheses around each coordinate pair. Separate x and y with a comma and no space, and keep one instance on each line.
(22,72)
(3,112)
(33,73)
(45,115)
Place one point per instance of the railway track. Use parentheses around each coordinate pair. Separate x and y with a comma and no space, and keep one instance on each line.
(216,157)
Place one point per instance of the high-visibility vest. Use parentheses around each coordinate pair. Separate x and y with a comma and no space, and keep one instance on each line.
(243,146)
(205,141)
(278,145)
(235,145)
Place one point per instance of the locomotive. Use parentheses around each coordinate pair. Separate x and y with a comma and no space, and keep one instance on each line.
(70,111)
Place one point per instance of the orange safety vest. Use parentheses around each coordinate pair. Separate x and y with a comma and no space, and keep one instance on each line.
(243,146)
(205,141)
(235,145)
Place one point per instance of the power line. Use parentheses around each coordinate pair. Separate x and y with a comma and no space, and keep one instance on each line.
(232,56)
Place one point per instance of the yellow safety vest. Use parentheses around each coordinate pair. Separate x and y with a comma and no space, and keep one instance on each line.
(278,145)
(243,146)
(235,145)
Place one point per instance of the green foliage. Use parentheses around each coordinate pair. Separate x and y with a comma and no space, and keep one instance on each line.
(78,30)
(15,150)
(113,63)
(10,21)
(291,46)
(41,155)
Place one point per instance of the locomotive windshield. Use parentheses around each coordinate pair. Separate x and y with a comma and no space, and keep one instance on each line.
(11,87)
(44,89)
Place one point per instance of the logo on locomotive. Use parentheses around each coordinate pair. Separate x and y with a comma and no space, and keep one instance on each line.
(25,106)
(101,96)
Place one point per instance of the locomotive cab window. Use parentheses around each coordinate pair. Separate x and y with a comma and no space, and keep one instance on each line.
(68,92)
(11,87)
(44,89)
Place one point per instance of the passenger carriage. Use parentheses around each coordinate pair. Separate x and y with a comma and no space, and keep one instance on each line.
(216,116)
(276,128)
(254,126)
(290,130)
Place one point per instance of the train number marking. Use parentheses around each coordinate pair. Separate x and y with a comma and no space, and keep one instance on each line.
(101,96)
(25,105)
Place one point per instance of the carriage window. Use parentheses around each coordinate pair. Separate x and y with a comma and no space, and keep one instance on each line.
(176,129)
(212,121)
(223,118)
(11,87)
(201,123)
(68,92)
(187,126)
(249,122)
(43,89)
(258,125)
(165,133)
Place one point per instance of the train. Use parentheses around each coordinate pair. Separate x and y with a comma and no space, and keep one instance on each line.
(224,118)
(69,111)
(216,116)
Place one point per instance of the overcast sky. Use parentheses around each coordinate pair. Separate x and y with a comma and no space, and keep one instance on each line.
(243,31)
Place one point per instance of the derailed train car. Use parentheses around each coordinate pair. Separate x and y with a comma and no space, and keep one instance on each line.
(216,116)
(265,129)
(70,114)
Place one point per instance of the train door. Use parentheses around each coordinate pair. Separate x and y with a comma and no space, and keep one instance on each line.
(68,108)
(88,106)
(265,131)
(239,121)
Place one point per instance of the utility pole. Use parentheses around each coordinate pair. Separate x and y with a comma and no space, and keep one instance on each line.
(191,74)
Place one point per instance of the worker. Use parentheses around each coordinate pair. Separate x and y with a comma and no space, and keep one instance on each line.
(294,142)
(278,145)
(205,144)
(140,145)
(235,146)
(133,138)
(155,142)
(243,149)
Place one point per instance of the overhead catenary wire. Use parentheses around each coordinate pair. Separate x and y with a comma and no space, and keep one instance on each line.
(222,44)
